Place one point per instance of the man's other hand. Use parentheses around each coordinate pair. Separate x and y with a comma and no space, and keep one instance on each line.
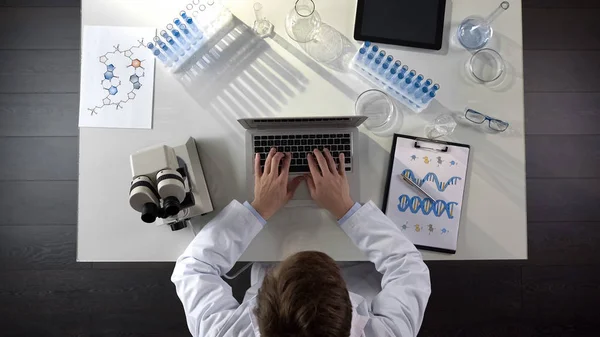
(271,188)
(327,184)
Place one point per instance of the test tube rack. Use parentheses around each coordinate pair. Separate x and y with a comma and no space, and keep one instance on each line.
(189,32)
(417,97)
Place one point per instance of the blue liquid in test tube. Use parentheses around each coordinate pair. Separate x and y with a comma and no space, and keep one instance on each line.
(396,65)
(158,54)
(367,44)
(428,98)
(389,59)
(398,78)
(376,63)
(361,54)
(391,73)
(412,88)
(381,54)
(187,33)
(435,87)
(421,92)
(374,49)
(172,43)
(427,82)
(369,58)
(180,38)
(404,84)
(167,51)
(411,74)
(384,67)
(419,78)
(404,69)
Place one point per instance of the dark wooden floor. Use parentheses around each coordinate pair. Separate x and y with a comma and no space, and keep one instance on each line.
(44,292)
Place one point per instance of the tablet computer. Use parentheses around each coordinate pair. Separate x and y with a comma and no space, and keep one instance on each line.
(413,23)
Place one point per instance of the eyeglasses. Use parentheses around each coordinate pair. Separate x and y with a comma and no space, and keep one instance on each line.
(479,118)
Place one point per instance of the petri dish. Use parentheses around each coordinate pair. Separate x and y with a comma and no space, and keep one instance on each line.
(486,65)
(384,118)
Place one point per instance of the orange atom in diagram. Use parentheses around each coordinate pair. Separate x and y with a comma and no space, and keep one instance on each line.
(136,63)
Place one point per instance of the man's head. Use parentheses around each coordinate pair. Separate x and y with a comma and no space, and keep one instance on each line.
(305,296)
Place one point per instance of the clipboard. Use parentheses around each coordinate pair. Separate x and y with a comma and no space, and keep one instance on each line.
(440,169)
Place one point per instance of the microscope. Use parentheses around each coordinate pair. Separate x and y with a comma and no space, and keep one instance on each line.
(168,183)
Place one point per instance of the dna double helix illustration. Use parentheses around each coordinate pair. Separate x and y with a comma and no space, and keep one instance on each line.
(441,186)
(426,206)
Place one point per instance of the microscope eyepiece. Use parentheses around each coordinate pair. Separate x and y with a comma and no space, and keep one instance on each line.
(171,205)
(149,212)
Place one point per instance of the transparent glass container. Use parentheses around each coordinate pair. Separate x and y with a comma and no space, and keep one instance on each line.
(303,21)
(475,31)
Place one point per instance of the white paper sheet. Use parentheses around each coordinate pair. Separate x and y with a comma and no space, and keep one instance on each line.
(442,175)
(117,77)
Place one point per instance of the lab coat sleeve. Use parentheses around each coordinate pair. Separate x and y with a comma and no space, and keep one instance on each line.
(207,300)
(400,306)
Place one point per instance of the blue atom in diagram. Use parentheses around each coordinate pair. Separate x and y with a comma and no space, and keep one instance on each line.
(120,62)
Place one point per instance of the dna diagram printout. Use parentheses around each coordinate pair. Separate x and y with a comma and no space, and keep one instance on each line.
(427,222)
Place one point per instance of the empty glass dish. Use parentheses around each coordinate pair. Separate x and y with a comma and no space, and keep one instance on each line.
(384,116)
(486,65)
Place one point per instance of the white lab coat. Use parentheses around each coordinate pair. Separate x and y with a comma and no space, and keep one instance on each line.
(388,305)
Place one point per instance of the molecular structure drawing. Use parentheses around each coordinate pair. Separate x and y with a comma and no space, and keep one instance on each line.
(120,63)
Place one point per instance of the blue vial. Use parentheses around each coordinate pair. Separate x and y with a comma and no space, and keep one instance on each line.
(384,67)
(194,28)
(389,59)
(361,54)
(428,98)
(367,44)
(421,92)
(407,81)
(180,38)
(375,65)
(381,54)
(404,69)
(158,54)
(374,49)
(411,74)
(427,82)
(187,34)
(398,78)
(391,73)
(435,87)
(167,51)
(414,87)
(396,65)
(172,43)
(369,58)
(419,78)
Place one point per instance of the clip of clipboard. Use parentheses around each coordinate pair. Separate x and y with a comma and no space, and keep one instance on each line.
(445,149)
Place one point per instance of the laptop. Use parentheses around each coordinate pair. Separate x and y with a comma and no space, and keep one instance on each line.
(299,136)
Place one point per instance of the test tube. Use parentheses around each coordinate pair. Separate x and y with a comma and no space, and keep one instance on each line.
(389,59)
(391,74)
(190,23)
(428,98)
(167,51)
(374,49)
(187,33)
(178,36)
(172,43)
(396,65)
(361,54)
(369,58)
(419,78)
(407,81)
(411,74)
(421,92)
(366,45)
(382,54)
(398,78)
(404,69)
(427,82)
(414,87)
(376,63)
(435,87)
(384,67)
(158,54)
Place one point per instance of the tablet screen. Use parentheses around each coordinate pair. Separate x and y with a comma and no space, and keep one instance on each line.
(404,22)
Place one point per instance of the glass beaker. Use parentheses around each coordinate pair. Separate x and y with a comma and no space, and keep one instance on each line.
(384,116)
(302,21)
(475,32)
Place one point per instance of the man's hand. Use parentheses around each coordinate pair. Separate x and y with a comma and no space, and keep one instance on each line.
(271,188)
(328,186)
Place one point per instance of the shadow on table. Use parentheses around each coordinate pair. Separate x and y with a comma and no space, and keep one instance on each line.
(498,165)
(236,74)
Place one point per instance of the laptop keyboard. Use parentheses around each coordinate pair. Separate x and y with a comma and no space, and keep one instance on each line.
(300,145)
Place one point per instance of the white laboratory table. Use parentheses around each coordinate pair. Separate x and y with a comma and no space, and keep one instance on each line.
(493,224)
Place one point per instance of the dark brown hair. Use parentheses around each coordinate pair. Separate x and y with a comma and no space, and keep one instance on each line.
(305,296)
